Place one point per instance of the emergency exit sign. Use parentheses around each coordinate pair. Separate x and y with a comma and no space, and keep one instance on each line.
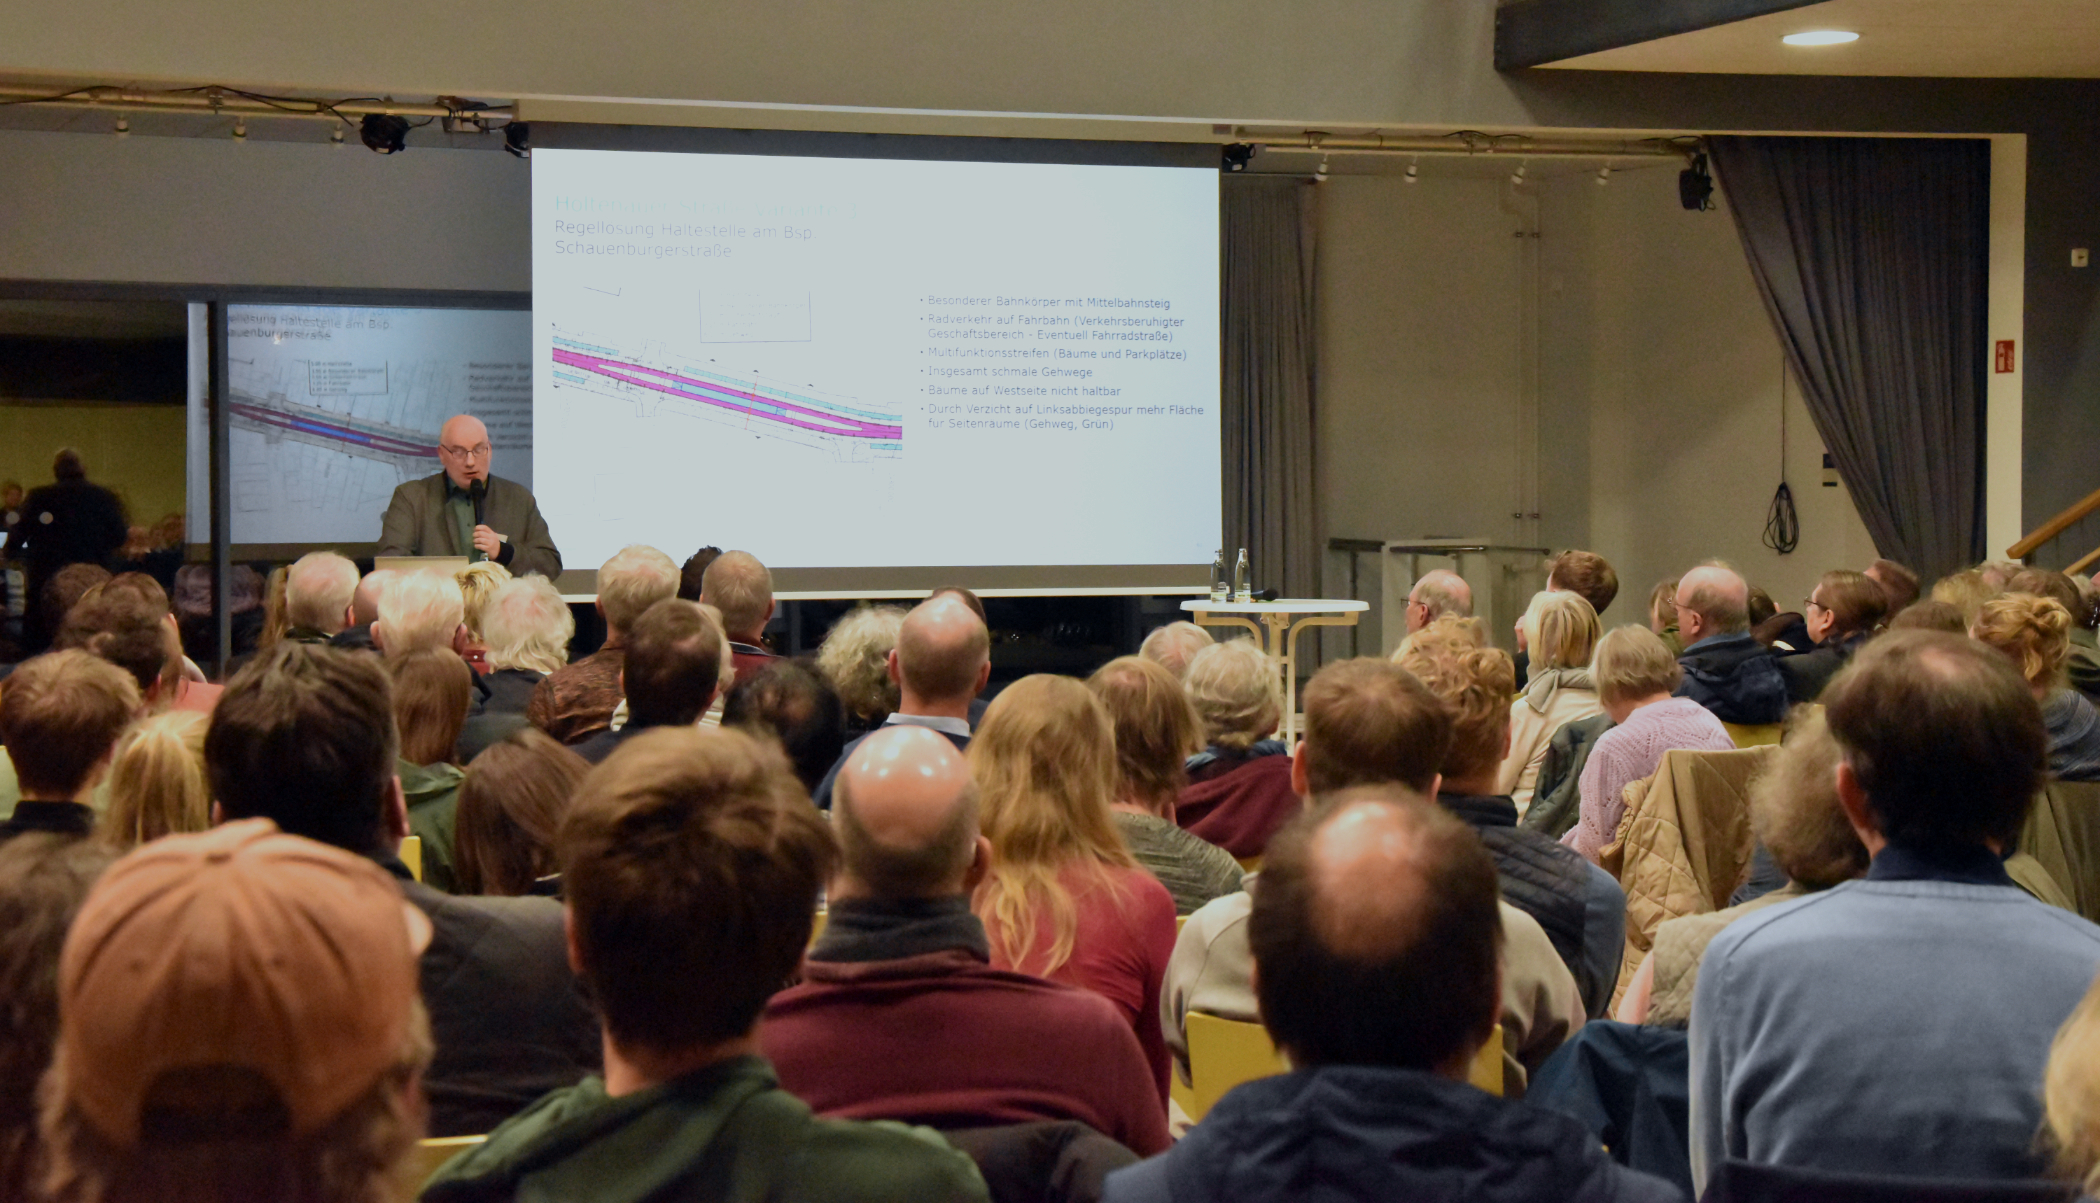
(2005,355)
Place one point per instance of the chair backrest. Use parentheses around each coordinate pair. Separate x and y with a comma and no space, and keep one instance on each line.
(1743,1182)
(430,1155)
(1759,735)
(412,855)
(1226,1052)
(1061,1161)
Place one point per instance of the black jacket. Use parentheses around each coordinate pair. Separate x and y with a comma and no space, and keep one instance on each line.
(1807,673)
(70,522)
(1539,875)
(1735,677)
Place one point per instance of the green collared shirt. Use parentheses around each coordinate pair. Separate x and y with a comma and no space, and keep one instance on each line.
(460,509)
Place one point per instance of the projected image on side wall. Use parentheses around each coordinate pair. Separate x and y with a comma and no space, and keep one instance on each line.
(852,362)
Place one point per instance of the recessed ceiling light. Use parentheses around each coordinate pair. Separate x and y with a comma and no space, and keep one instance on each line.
(1821,37)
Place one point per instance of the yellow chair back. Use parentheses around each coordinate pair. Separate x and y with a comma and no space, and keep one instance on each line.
(1226,1052)
(431,1155)
(1249,864)
(412,855)
(1760,735)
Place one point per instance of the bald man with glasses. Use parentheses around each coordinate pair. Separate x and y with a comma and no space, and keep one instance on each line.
(463,511)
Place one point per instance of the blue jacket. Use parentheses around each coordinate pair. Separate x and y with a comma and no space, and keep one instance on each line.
(1357,1132)
(1735,677)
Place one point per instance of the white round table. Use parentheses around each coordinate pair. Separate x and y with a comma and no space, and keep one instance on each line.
(1283,618)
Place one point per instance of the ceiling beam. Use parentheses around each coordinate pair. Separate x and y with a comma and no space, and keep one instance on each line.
(1531,33)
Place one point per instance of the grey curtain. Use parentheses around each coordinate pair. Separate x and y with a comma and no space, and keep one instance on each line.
(1265,228)
(1872,255)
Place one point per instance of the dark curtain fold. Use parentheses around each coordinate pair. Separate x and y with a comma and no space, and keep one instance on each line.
(1266,416)
(1873,258)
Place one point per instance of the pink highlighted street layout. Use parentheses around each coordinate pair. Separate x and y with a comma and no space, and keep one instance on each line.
(772,405)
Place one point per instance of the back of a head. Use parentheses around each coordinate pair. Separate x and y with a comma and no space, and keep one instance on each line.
(1632,663)
(966,597)
(1443,593)
(304,736)
(124,627)
(1174,645)
(364,601)
(1855,602)
(1662,605)
(66,465)
(1898,583)
(2032,632)
(1369,722)
(674,658)
(317,591)
(67,586)
(420,611)
(636,578)
(1718,595)
(942,649)
(1965,591)
(1044,757)
(1945,738)
(1156,729)
(156,781)
(2061,589)
(794,704)
(1475,685)
(511,804)
(432,690)
(527,626)
(691,862)
(1795,812)
(855,659)
(2071,1095)
(1930,615)
(905,812)
(1376,934)
(60,713)
(742,589)
(1762,608)
(693,570)
(478,584)
(1588,574)
(1560,629)
(1233,687)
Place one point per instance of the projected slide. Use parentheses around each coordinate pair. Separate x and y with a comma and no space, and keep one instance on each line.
(847,363)
(330,408)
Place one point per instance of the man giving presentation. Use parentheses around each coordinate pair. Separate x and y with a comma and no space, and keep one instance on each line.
(463,511)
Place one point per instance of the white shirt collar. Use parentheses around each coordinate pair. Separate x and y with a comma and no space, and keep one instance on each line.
(939,722)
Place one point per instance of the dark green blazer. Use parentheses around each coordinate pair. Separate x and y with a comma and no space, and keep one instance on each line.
(416,525)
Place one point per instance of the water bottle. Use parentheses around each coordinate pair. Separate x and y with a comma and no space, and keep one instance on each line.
(1240,589)
(1220,587)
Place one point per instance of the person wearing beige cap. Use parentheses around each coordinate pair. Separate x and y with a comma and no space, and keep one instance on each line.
(238,1020)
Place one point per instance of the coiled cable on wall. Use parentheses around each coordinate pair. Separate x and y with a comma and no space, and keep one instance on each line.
(1782,520)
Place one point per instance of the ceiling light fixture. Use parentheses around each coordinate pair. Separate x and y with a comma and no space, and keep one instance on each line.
(1604,175)
(240,129)
(1517,177)
(123,129)
(1414,172)
(1821,37)
(1320,172)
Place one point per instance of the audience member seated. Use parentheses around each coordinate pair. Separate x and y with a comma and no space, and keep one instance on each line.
(126,621)
(1725,670)
(305,737)
(2082,667)
(1375,936)
(900,1014)
(1899,585)
(526,627)
(511,803)
(692,863)
(1662,615)
(1638,680)
(2033,633)
(191,600)
(2071,1095)
(793,703)
(1156,730)
(60,716)
(156,782)
(693,570)
(364,610)
(478,584)
(1438,593)
(43,878)
(1761,607)
(672,664)
(1239,790)
(976,604)
(1560,630)
(941,662)
(1585,573)
(318,589)
(432,689)
(855,658)
(1899,1025)
(420,612)
(1174,645)
(238,1021)
(577,701)
(1581,906)
(742,589)
(1065,899)
(1843,612)
(1930,615)
(1801,827)
(1965,591)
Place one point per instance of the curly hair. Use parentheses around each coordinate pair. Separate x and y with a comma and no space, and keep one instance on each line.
(855,659)
(1476,685)
(2033,632)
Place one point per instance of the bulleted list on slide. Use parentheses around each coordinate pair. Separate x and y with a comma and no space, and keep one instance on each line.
(877,338)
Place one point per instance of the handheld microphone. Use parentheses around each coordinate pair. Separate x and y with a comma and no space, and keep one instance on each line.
(479,491)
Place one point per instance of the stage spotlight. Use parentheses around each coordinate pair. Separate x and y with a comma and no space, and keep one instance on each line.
(385,133)
(1604,175)
(1237,156)
(1414,173)
(517,139)
(1695,187)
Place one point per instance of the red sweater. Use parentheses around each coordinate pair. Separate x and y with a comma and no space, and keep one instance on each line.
(1125,937)
(945,1040)
(1241,807)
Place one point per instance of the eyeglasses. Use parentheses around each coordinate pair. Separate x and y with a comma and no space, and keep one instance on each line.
(478,451)
(1810,603)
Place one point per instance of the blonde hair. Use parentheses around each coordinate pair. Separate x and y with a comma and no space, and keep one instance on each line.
(156,781)
(1794,807)
(527,625)
(1631,663)
(1965,591)
(2071,1093)
(1044,760)
(478,585)
(275,619)
(741,588)
(419,612)
(1560,629)
(1662,606)
(1447,631)
(2034,632)
(1235,691)
(855,658)
(636,578)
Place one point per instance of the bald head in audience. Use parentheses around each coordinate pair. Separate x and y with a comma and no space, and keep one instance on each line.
(742,589)
(942,658)
(905,810)
(1712,600)
(364,603)
(1174,645)
(1438,593)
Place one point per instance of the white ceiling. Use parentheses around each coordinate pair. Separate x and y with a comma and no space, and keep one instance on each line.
(2011,38)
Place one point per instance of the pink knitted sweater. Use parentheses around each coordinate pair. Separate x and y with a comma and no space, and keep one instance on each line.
(1631,751)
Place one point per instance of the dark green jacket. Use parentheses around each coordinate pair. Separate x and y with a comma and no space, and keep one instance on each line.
(416,524)
(725,1134)
(432,793)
